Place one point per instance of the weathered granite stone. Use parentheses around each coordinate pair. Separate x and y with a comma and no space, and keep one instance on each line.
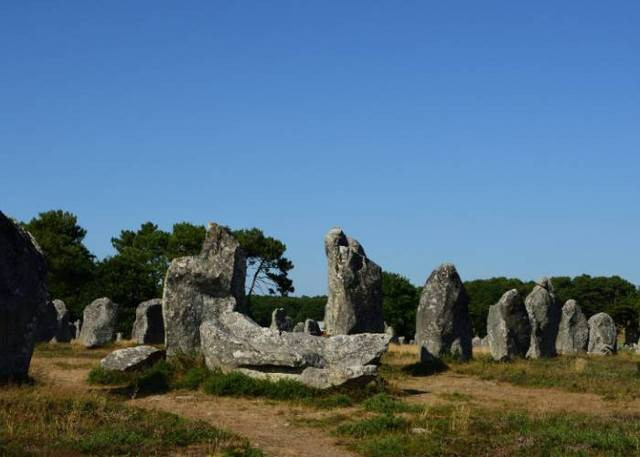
(198,288)
(280,321)
(573,331)
(64,329)
(298,328)
(443,325)
(23,298)
(544,316)
(47,323)
(476,341)
(132,359)
(354,304)
(508,327)
(99,323)
(401,339)
(311,327)
(233,341)
(602,334)
(149,325)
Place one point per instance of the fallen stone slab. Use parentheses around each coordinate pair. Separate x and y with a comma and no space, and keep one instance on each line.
(234,342)
(132,359)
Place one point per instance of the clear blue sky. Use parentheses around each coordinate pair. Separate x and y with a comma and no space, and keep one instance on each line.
(501,136)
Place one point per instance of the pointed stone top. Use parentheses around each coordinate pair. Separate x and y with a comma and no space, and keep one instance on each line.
(545,283)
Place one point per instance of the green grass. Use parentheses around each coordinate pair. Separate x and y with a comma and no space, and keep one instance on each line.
(385,404)
(40,420)
(613,377)
(156,379)
(459,429)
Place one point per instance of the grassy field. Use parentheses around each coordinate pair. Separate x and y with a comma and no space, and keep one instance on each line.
(39,420)
(382,420)
(612,377)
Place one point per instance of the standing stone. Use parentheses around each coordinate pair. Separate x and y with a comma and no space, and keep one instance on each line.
(47,323)
(389,330)
(280,321)
(23,298)
(401,340)
(544,316)
(149,325)
(298,328)
(508,327)
(311,327)
(476,341)
(573,331)
(78,327)
(602,334)
(354,304)
(199,288)
(99,324)
(64,331)
(443,325)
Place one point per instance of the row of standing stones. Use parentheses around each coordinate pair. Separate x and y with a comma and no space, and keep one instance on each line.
(201,313)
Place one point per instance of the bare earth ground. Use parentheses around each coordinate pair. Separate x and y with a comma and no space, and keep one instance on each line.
(272,426)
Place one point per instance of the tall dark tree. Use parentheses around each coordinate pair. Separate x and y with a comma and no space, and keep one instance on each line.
(70,264)
(267,268)
(185,239)
(399,303)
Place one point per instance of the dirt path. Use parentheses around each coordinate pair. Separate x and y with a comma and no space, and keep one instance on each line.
(441,388)
(268,426)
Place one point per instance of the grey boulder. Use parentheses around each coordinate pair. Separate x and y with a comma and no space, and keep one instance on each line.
(544,316)
(23,298)
(354,304)
(573,330)
(234,342)
(198,288)
(443,325)
(602,334)
(132,359)
(508,327)
(280,321)
(99,323)
(148,327)
(298,328)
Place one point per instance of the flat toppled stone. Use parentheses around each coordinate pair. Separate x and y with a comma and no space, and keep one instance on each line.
(132,359)
(234,341)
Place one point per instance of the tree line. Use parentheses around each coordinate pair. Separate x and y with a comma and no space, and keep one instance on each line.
(136,271)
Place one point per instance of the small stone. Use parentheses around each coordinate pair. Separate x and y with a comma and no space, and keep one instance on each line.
(298,328)
(132,359)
